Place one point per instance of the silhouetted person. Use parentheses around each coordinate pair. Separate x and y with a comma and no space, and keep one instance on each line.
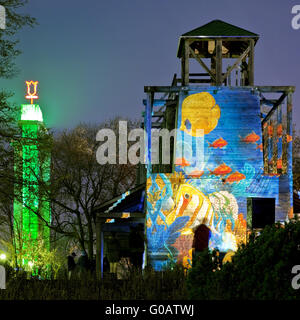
(201,240)
(113,252)
(71,264)
(105,265)
(136,243)
(83,263)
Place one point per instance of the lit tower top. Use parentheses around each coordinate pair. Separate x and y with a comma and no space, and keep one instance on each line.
(31,111)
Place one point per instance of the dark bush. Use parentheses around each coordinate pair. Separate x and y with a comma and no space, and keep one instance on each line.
(260,270)
(166,285)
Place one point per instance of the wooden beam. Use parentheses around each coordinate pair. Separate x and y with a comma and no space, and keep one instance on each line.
(251,63)
(185,63)
(237,62)
(289,126)
(158,114)
(268,89)
(205,39)
(277,89)
(148,121)
(116,215)
(265,147)
(219,79)
(204,66)
(279,102)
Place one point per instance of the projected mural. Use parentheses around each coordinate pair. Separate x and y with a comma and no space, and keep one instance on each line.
(210,187)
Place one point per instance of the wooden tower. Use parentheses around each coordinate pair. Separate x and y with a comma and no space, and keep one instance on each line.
(242,177)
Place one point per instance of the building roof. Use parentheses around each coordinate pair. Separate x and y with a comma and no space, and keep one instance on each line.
(219,28)
(216,29)
(131,201)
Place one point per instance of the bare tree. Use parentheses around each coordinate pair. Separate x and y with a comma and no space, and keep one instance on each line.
(79,183)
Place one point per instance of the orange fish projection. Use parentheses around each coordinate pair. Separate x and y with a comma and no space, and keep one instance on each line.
(279,131)
(219,143)
(251,138)
(182,162)
(279,163)
(222,169)
(235,177)
(259,146)
(270,131)
(289,138)
(272,174)
(196,173)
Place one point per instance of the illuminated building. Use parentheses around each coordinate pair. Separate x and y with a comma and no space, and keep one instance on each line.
(239,177)
(32,175)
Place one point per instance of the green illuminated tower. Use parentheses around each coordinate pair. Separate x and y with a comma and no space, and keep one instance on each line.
(32,175)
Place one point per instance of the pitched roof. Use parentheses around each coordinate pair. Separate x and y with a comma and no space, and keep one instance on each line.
(130,201)
(216,29)
(219,28)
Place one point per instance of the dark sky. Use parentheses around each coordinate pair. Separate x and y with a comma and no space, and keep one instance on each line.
(93,57)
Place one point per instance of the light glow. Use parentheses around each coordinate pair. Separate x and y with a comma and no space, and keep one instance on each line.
(3,256)
(31,112)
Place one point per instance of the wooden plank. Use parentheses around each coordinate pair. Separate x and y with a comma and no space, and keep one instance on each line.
(118,215)
(265,147)
(204,66)
(283,89)
(203,74)
(265,89)
(186,63)
(158,114)
(147,121)
(279,139)
(205,38)
(219,79)
(270,129)
(279,101)
(237,62)
(275,145)
(289,107)
(251,63)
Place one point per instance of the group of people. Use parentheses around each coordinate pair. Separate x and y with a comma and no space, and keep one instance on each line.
(82,266)
(115,256)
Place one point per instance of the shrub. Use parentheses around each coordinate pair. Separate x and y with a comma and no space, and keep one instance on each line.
(260,270)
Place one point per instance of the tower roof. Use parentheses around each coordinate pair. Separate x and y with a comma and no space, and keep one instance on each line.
(217,29)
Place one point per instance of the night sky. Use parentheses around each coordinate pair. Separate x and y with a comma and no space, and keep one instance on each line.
(93,57)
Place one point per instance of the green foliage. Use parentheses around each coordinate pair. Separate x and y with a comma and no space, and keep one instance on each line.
(260,270)
(39,260)
(202,276)
(8,44)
